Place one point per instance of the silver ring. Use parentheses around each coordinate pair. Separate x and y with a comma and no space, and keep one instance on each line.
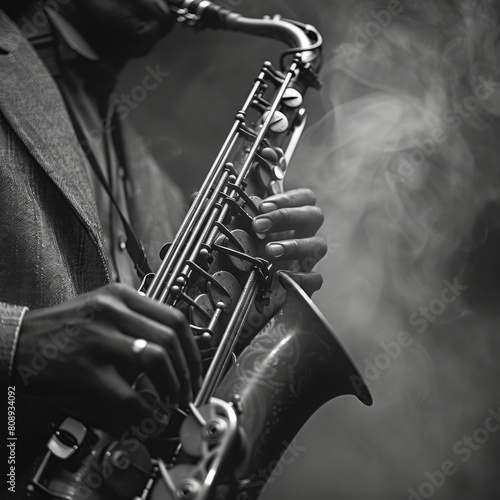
(138,345)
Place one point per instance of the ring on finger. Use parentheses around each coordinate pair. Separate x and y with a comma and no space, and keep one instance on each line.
(138,345)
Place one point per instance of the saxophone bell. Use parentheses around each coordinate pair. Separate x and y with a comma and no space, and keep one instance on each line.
(289,370)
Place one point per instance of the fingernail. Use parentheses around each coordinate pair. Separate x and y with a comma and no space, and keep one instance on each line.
(262,225)
(267,207)
(276,250)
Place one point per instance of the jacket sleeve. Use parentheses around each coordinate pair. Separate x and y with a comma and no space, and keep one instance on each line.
(11,318)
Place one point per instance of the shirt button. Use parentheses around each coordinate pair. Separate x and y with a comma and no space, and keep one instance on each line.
(122,242)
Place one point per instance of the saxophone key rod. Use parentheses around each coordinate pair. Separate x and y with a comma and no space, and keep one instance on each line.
(266,125)
(196,240)
(231,334)
(194,212)
(192,216)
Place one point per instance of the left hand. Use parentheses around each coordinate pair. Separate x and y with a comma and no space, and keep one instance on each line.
(290,221)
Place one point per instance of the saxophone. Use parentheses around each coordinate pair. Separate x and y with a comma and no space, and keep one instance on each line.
(259,389)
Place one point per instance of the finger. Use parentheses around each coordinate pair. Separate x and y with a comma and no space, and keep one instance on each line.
(159,335)
(170,381)
(175,320)
(293,198)
(123,405)
(153,360)
(171,318)
(304,220)
(307,250)
(309,282)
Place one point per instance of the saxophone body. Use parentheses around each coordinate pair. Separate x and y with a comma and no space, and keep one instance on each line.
(258,389)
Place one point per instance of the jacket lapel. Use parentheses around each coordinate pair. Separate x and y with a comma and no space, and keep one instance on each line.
(31,102)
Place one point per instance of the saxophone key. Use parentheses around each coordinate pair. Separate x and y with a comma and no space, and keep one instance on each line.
(292,98)
(245,245)
(201,311)
(276,187)
(164,250)
(176,483)
(279,122)
(228,291)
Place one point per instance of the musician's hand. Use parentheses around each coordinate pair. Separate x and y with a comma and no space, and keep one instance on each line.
(290,220)
(83,348)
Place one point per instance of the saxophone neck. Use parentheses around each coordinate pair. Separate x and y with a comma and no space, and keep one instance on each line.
(302,39)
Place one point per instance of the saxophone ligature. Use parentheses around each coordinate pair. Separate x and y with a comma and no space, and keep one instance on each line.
(259,388)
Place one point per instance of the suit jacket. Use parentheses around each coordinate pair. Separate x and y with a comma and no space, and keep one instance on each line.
(51,242)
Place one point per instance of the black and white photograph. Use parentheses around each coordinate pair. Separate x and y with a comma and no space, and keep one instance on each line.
(250,249)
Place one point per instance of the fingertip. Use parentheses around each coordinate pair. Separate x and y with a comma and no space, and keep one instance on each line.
(275,250)
(311,196)
(262,224)
(267,206)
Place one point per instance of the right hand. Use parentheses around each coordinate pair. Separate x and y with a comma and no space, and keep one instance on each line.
(83,348)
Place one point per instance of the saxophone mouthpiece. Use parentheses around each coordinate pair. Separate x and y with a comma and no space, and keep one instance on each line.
(209,14)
